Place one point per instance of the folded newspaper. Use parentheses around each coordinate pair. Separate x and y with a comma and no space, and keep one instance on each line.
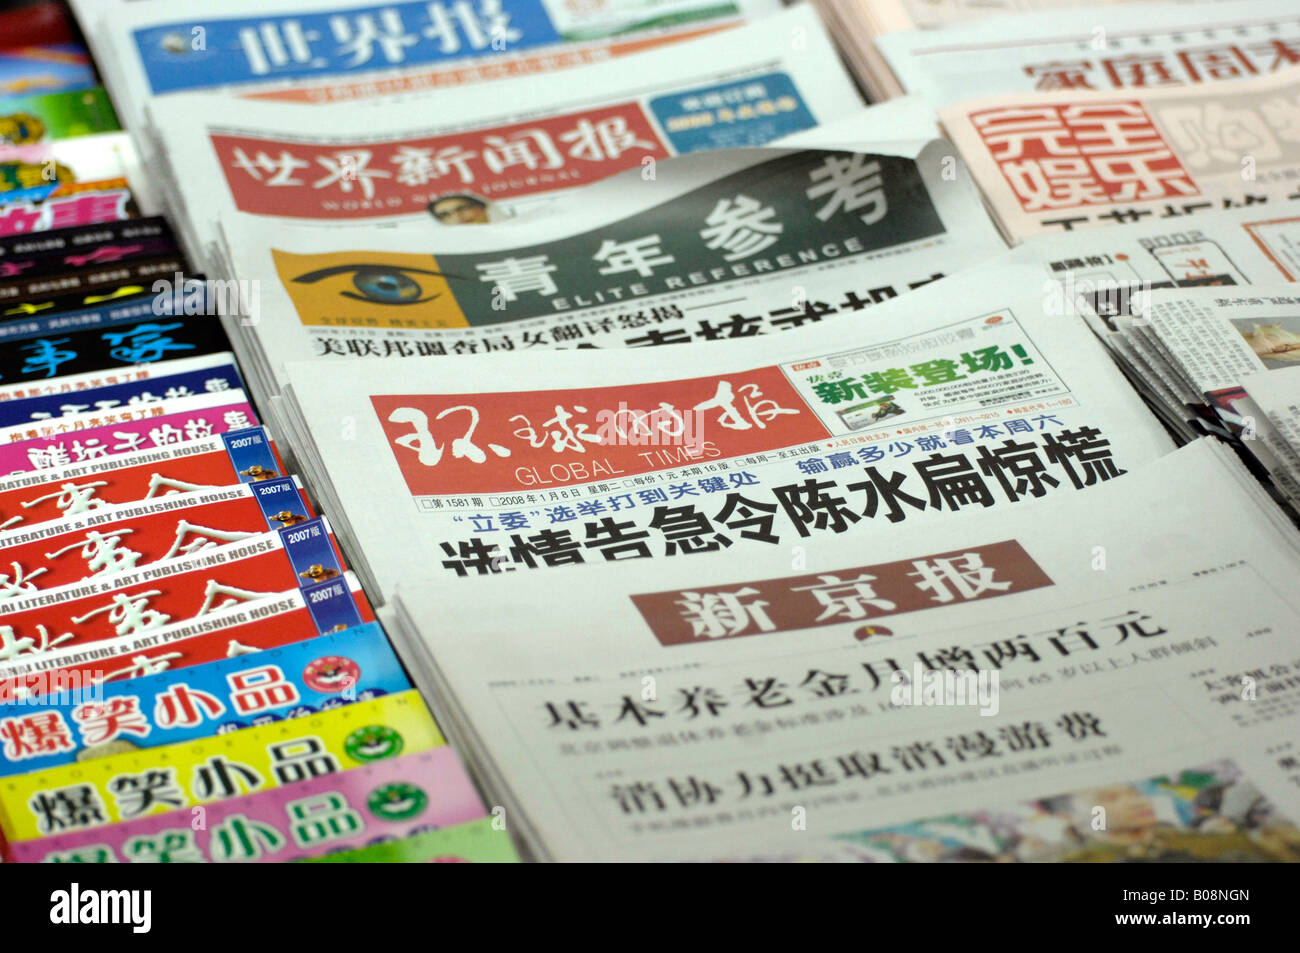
(1207,351)
(320,50)
(1124,47)
(965,395)
(860,25)
(1078,158)
(1193,315)
(1103,276)
(722,245)
(1259,244)
(986,695)
(1269,408)
(478,154)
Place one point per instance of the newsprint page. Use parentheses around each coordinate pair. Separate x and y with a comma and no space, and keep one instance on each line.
(720,435)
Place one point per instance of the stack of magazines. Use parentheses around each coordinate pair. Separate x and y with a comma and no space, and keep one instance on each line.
(741,469)
(189,671)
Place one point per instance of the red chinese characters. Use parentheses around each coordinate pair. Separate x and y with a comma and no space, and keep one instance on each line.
(273,177)
(150,598)
(65,211)
(450,444)
(1067,156)
(84,486)
(857,596)
(100,543)
(1150,69)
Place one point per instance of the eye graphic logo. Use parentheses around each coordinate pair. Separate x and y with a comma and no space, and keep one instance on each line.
(378,284)
(368,289)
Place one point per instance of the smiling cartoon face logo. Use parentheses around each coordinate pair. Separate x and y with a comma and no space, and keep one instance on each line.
(331,673)
(372,743)
(368,289)
(397,801)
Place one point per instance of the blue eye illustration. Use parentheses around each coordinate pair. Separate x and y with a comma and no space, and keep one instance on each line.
(392,287)
(377,284)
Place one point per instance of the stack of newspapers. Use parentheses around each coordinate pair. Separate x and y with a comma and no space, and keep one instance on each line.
(1110,116)
(973,696)
(873,31)
(1227,357)
(745,470)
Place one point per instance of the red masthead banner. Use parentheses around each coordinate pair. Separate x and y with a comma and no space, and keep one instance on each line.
(397,177)
(483,443)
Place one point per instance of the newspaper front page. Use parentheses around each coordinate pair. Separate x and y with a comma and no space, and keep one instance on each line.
(1105,277)
(1259,244)
(1076,159)
(323,50)
(1216,337)
(481,153)
(1232,351)
(861,24)
(986,696)
(1120,48)
(962,396)
(716,246)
